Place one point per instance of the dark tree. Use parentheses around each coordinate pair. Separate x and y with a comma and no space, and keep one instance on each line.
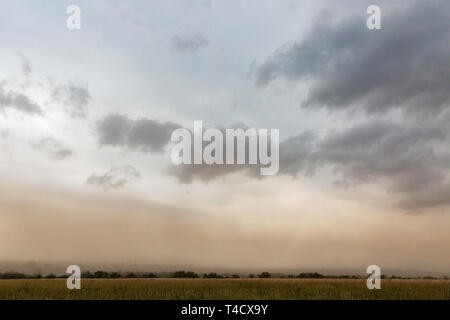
(115,275)
(265,274)
(184,274)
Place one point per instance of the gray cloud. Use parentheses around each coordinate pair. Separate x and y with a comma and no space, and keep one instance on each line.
(431,198)
(26,65)
(295,153)
(405,64)
(147,135)
(143,134)
(406,157)
(75,96)
(115,178)
(204,172)
(54,148)
(16,100)
(188,43)
(402,154)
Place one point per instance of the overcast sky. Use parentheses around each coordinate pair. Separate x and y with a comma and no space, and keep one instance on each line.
(86,117)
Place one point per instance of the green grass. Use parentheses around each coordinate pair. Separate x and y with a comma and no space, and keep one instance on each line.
(167,289)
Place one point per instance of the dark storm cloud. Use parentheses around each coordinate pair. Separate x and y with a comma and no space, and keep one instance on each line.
(11,99)
(143,134)
(405,64)
(115,178)
(188,43)
(402,154)
(74,96)
(295,153)
(408,159)
(54,148)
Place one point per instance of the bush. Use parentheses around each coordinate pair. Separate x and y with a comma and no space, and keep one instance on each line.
(149,275)
(310,275)
(264,275)
(115,275)
(101,274)
(184,274)
(212,275)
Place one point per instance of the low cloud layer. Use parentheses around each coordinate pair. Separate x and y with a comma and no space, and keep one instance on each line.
(409,160)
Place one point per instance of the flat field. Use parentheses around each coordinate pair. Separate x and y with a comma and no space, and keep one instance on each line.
(225,289)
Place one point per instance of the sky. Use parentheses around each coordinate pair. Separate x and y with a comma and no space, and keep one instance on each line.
(86,118)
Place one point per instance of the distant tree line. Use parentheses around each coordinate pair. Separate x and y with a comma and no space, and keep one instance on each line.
(100,274)
(19,275)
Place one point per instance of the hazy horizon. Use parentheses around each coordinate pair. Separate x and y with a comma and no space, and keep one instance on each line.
(59,268)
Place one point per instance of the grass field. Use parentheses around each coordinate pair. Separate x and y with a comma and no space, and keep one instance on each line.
(167,289)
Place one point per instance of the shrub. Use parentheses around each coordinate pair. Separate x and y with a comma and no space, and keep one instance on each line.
(212,275)
(101,274)
(310,275)
(149,275)
(115,275)
(265,274)
(184,274)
